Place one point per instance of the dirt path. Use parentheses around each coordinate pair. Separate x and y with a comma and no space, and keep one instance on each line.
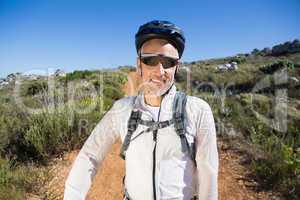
(233,183)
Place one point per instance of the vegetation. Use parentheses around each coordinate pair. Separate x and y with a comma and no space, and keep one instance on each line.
(47,123)
(52,118)
(245,109)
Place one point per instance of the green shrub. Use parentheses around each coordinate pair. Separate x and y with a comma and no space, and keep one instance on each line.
(57,128)
(275,155)
(271,68)
(46,132)
(34,87)
(127,68)
(16,180)
(277,162)
(13,125)
(79,75)
(238,59)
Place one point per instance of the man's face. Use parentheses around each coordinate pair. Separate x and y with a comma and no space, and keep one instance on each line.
(155,79)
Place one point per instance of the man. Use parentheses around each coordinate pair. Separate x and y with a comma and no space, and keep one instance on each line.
(159,128)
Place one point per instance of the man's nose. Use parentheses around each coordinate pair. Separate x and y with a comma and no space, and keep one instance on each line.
(160,69)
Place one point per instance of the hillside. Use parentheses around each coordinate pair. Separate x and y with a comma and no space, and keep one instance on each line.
(255,99)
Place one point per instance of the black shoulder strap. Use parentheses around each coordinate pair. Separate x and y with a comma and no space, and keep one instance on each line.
(131,127)
(179,106)
(133,122)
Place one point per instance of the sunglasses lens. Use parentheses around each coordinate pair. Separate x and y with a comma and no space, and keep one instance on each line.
(167,62)
(151,60)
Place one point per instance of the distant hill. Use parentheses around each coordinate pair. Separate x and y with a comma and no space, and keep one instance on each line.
(280,49)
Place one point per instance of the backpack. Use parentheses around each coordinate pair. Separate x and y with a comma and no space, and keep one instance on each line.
(179,105)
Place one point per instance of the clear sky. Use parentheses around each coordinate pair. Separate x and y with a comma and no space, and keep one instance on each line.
(90,34)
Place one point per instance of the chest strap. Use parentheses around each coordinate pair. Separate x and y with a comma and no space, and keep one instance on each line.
(178,120)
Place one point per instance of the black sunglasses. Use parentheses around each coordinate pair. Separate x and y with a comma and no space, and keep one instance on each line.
(154,59)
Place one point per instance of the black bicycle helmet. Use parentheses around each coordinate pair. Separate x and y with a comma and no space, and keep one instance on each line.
(160,29)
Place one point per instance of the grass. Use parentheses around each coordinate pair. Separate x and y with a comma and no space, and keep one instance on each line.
(60,126)
(17,179)
(274,155)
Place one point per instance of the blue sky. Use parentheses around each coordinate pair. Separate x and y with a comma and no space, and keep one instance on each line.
(90,34)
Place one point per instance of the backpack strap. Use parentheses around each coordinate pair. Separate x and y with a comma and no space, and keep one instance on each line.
(179,106)
(133,122)
(131,127)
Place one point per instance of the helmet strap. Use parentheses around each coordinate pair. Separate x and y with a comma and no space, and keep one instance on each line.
(176,71)
(140,65)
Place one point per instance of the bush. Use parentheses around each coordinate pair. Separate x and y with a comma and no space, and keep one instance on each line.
(26,137)
(276,162)
(79,74)
(57,130)
(127,68)
(255,52)
(47,131)
(238,59)
(16,180)
(13,125)
(271,68)
(279,167)
(275,156)
(34,87)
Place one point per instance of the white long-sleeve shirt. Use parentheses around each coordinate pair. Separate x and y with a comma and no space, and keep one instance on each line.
(176,176)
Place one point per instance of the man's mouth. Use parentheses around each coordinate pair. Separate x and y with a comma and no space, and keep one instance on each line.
(155,81)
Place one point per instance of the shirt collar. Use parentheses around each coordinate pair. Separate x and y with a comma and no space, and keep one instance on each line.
(169,96)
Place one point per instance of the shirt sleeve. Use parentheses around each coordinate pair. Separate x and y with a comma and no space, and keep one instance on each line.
(91,155)
(207,158)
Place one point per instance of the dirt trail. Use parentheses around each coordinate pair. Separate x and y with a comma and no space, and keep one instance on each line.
(107,185)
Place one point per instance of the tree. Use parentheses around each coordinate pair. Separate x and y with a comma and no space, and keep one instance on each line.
(255,52)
